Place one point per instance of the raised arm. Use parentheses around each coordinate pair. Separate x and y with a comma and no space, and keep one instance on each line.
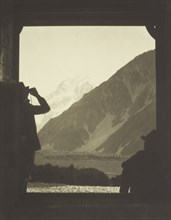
(43,107)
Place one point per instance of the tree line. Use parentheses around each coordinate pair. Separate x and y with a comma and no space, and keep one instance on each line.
(72,176)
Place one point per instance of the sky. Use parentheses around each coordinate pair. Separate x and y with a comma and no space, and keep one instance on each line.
(49,55)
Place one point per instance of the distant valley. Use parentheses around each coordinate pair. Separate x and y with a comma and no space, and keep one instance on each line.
(109,120)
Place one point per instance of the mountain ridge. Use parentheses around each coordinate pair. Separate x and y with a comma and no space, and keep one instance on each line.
(88,124)
(64,95)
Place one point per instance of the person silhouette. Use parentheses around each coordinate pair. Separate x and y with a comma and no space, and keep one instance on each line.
(29,141)
(141,173)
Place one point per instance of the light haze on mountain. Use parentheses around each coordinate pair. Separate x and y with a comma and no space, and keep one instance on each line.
(64,95)
(110,119)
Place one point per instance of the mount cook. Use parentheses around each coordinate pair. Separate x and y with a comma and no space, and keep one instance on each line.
(110,119)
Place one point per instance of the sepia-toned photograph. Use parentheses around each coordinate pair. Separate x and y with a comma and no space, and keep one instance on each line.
(85,110)
(100,88)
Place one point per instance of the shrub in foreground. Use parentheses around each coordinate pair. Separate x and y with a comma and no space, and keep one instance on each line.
(69,175)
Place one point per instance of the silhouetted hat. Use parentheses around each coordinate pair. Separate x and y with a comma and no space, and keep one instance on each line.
(27,88)
(23,87)
(24,90)
(150,136)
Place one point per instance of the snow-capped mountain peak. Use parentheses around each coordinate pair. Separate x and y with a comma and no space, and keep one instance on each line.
(63,96)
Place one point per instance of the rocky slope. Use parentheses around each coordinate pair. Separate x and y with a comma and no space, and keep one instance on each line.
(111,118)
